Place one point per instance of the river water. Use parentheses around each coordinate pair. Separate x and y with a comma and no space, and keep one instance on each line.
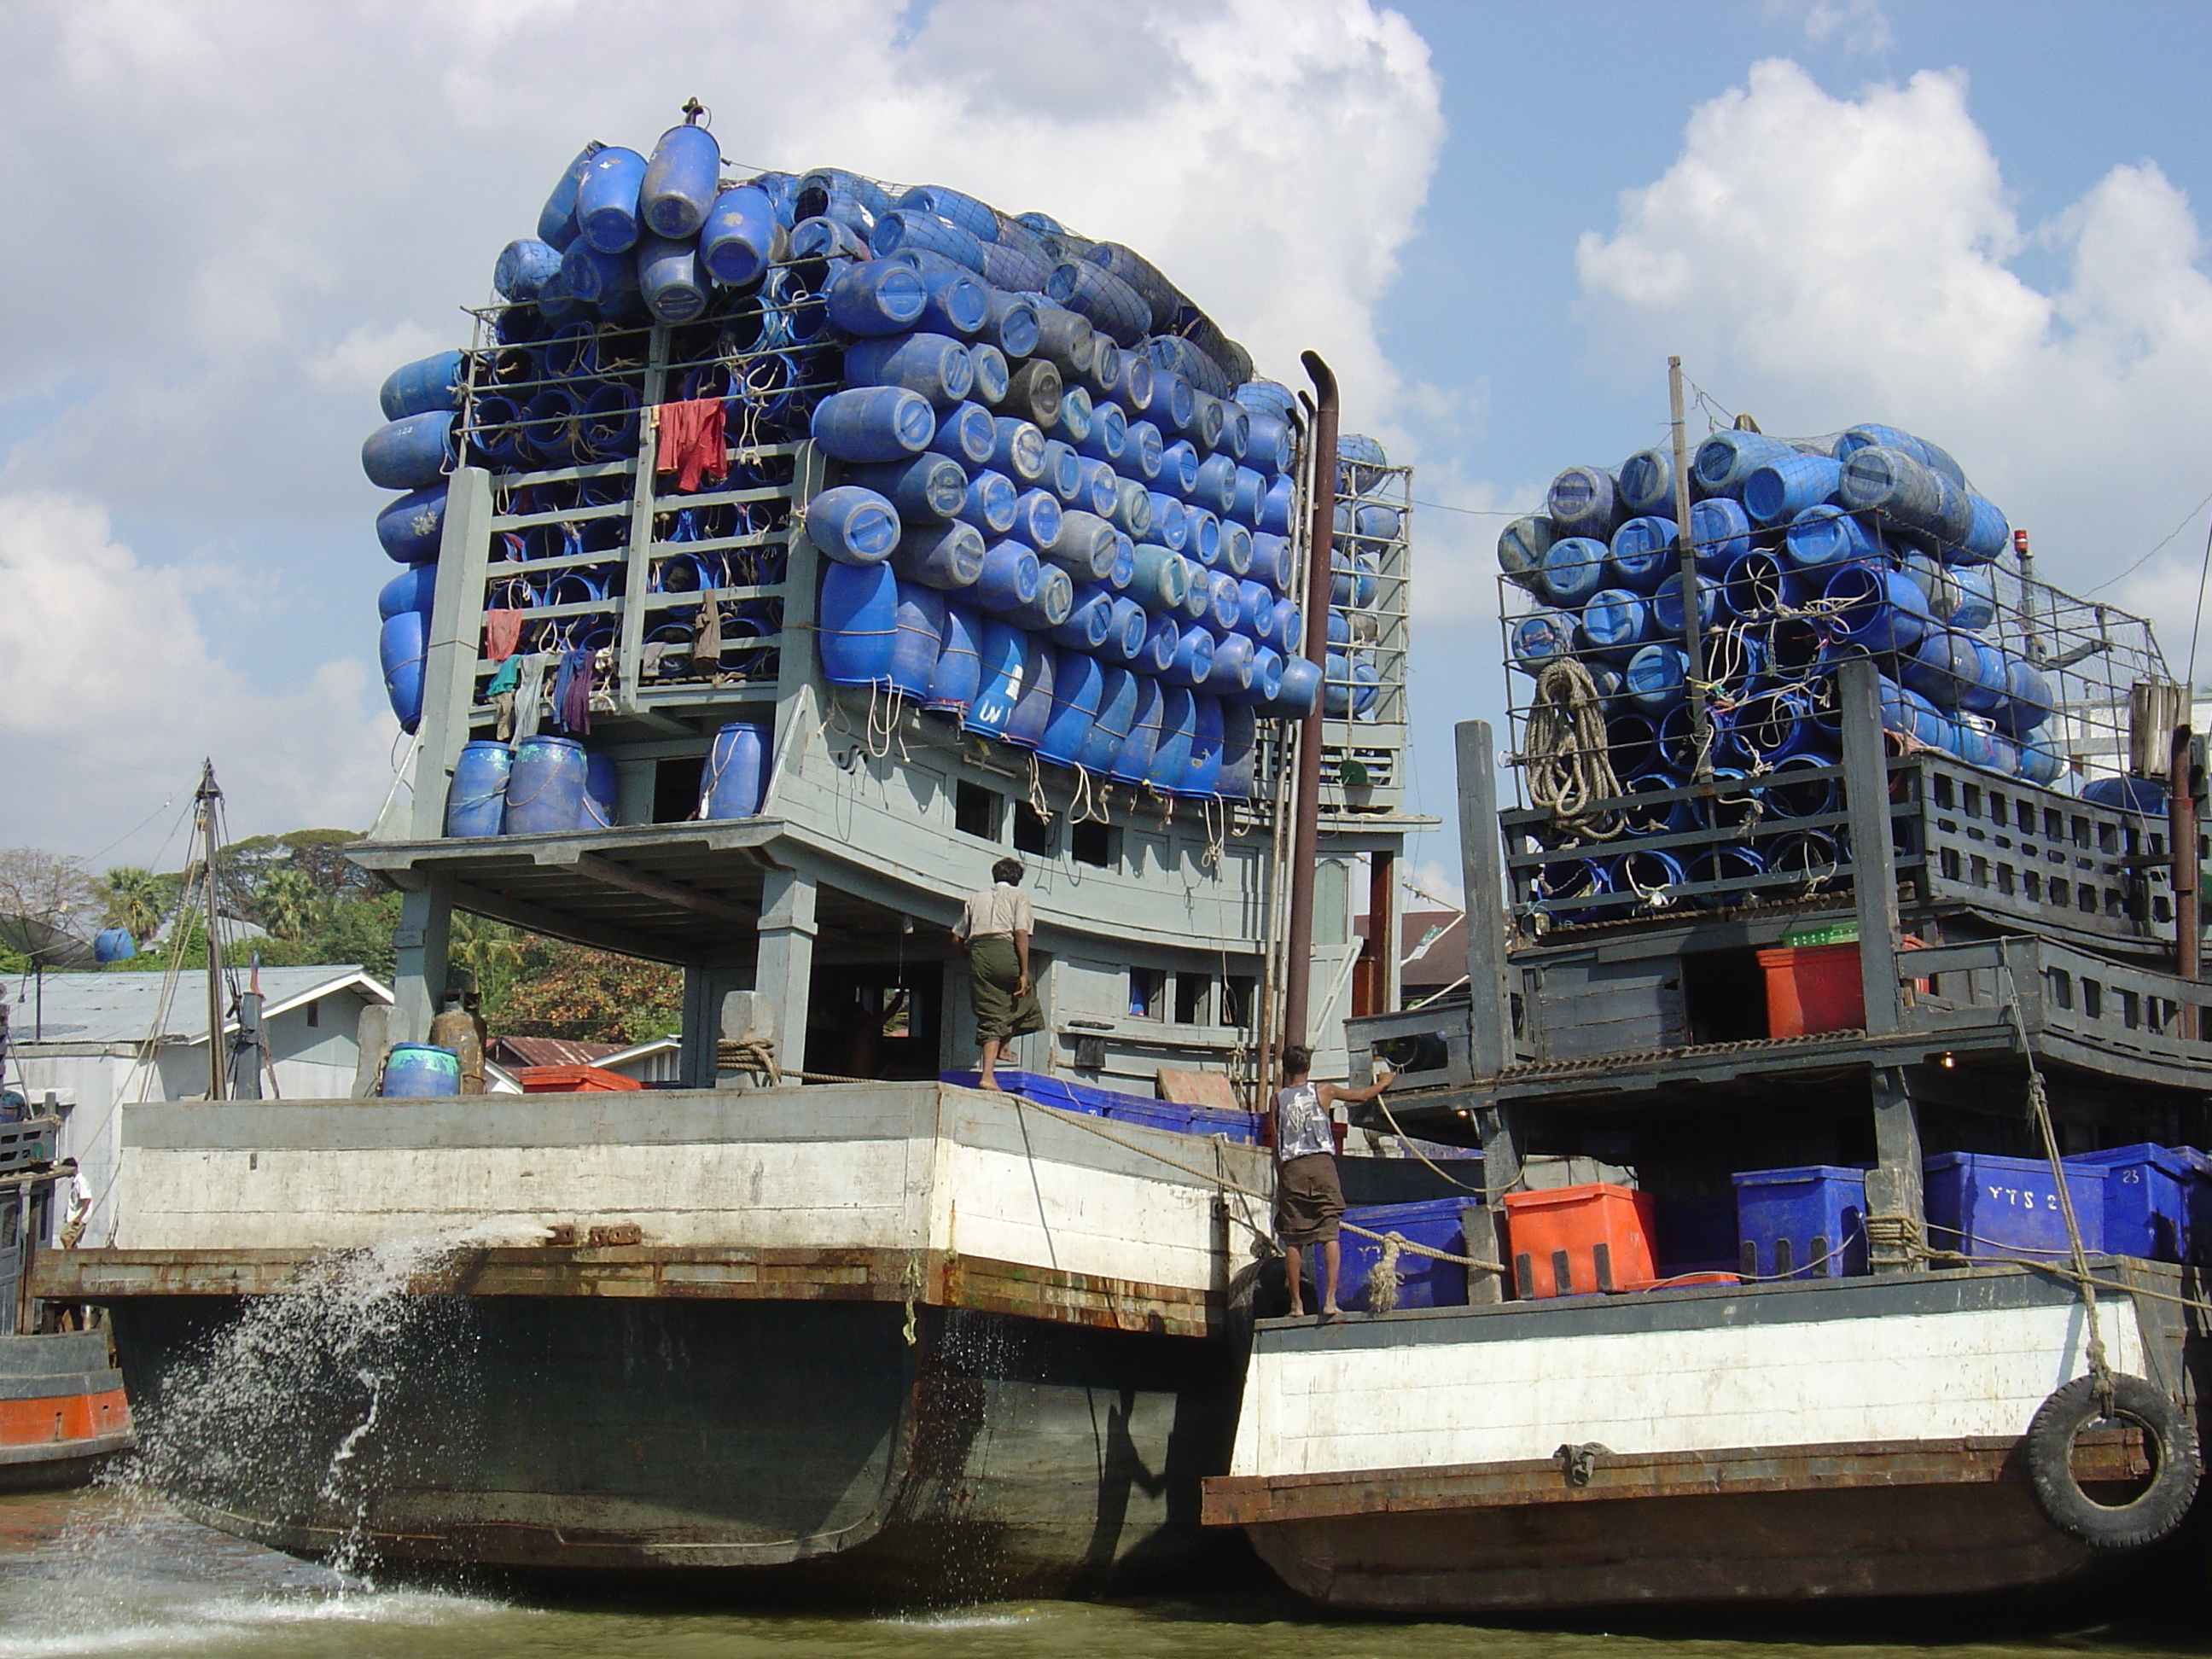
(114,1571)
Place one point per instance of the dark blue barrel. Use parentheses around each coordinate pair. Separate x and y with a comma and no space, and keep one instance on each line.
(1809,854)
(1090,618)
(1646,870)
(1881,609)
(1985,693)
(737,769)
(965,433)
(1584,500)
(873,424)
(1194,657)
(414,1071)
(1037,519)
(401,645)
(1646,482)
(670,279)
(1943,666)
(1720,530)
(1614,622)
(965,211)
(1025,727)
(1653,679)
(958,674)
(858,625)
(429,383)
(1119,693)
(1790,797)
(852,525)
(1011,323)
(1198,597)
(1088,545)
(1641,554)
(827,239)
(1271,560)
(1667,606)
(1724,460)
(1246,491)
(1654,817)
(989,504)
(987,366)
(1565,888)
(411,453)
(476,801)
(935,366)
(1077,683)
(1520,549)
(1004,652)
(1141,452)
(1266,684)
(1018,449)
(1779,490)
(2141,795)
(1133,759)
(2041,760)
(1758,583)
(1631,743)
(1239,753)
(2028,700)
(113,945)
(1064,474)
(607,200)
(545,787)
(1257,608)
(1126,634)
(1678,739)
(1007,578)
(549,426)
(608,425)
(608,281)
(1270,448)
(413,589)
(1895,487)
(1132,511)
(1230,675)
(602,793)
(929,489)
(1290,635)
(679,185)
(1299,697)
(955,303)
(918,637)
(1769,726)
(411,527)
(556,220)
(1729,861)
(904,228)
(1170,761)
(1047,608)
(1112,307)
(1170,523)
(1987,535)
(1574,567)
(1970,740)
(1870,434)
(738,238)
(1823,535)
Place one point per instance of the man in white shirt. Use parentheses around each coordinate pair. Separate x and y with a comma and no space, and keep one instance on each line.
(1308,1197)
(993,934)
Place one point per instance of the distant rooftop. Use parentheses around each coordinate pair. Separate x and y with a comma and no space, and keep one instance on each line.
(121,1008)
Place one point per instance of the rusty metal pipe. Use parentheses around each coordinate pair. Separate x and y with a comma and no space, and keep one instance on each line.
(1305,834)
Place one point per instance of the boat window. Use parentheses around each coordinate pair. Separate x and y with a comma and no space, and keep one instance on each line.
(1148,989)
(1237,993)
(1091,842)
(975,811)
(676,784)
(1194,998)
(1032,832)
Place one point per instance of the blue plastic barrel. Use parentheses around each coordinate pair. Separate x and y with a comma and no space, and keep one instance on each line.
(607,427)
(1170,523)
(670,279)
(1641,554)
(1225,604)
(1942,667)
(1142,452)
(1879,609)
(739,237)
(1047,608)
(852,525)
(412,527)
(1299,697)
(1667,606)
(957,675)
(1132,511)
(475,800)
(858,623)
(1007,578)
(1614,622)
(1004,654)
(1162,578)
(1131,625)
(1584,500)
(401,645)
(1037,520)
(1162,637)
(414,1071)
(935,366)
(874,423)
(1010,322)
(1271,560)
(1033,712)
(950,556)
(2028,699)
(1520,549)
(1266,684)
(1758,583)
(965,433)
(1987,535)
(736,767)
(1113,307)
(607,200)
(1893,485)
(1119,692)
(1133,759)
(1230,674)
(911,228)
(1789,796)
(1780,489)
(1098,489)
(1289,630)
(988,505)
(556,220)
(1239,753)
(1724,460)
(955,303)
(1870,434)
(1017,449)
(1247,489)
(918,636)
(1565,887)
(545,787)
(1823,535)
(413,589)
(1646,482)
(1632,742)
(1089,620)
(113,945)
(1574,567)
(1171,756)
(1653,680)
(2041,760)
(679,186)
(1720,530)
(987,373)
(1108,436)
(929,489)
(429,383)
(411,453)
(879,296)
(1973,597)
(1194,657)
(602,793)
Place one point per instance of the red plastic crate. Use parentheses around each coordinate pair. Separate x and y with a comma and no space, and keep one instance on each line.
(1812,988)
(1572,1241)
(572,1080)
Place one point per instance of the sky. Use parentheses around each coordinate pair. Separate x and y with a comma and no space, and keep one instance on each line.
(230,221)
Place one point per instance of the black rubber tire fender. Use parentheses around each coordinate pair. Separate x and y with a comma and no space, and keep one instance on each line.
(2155,1511)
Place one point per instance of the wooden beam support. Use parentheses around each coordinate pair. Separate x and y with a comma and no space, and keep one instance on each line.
(1873,859)
(610,874)
(1893,1185)
(1482,873)
(520,912)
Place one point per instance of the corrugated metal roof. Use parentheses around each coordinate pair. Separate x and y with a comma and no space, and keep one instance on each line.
(121,1008)
(549,1051)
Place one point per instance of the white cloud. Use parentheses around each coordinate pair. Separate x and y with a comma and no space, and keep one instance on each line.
(110,694)
(1822,260)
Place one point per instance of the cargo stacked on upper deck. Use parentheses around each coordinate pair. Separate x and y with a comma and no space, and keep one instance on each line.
(1058,506)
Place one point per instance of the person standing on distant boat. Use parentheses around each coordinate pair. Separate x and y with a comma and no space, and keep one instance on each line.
(1308,1197)
(993,934)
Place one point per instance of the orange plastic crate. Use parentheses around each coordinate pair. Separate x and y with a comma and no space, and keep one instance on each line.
(572,1080)
(1572,1241)
(1812,988)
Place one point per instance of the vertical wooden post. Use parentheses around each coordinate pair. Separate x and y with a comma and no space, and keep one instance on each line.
(420,944)
(1873,859)
(2184,877)
(1482,873)
(1297,950)
(1693,645)
(784,969)
(449,660)
(1893,1186)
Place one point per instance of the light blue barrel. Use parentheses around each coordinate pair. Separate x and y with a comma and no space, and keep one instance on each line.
(1133,758)
(1869,433)
(1879,609)
(113,945)
(1720,531)
(1969,740)
(1086,545)
(607,200)
(413,589)
(1247,489)
(738,238)
(1299,696)
(878,296)
(908,228)
(602,793)
(987,378)
(1614,622)
(2040,759)
(858,623)
(1942,667)
(1108,439)
(1198,597)
(950,556)
(545,787)
(873,424)
(1162,635)
(988,504)
(427,383)
(1007,578)
(1275,508)
(415,1071)
(2028,699)
(1005,666)
(1133,510)
(1985,693)
(1893,486)
(1131,625)
(935,366)
(1098,488)
(965,433)
(475,800)
(1033,712)
(1170,523)
(1120,692)
(965,211)
(1376,523)
(1236,550)
(1179,466)
(1779,490)
(1573,569)
(674,285)
(736,769)
(1170,761)
(1641,554)
(1987,535)
(1010,323)
(1089,620)
(1726,459)
(1048,607)
(411,453)
(956,304)
(957,675)
(1091,291)
(1161,577)
(1653,680)
(1143,454)
(1271,560)
(1667,606)
(855,526)
(401,645)
(1063,473)
(678,187)
(1018,449)
(1974,595)
(1193,660)
(1224,603)
(1077,413)
(1289,629)
(1825,535)
(1202,537)
(929,489)
(1037,519)
(1267,685)
(1584,500)
(1230,675)
(1646,482)
(1520,549)
(556,220)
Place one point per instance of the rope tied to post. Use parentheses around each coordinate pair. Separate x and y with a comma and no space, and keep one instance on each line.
(754,1056)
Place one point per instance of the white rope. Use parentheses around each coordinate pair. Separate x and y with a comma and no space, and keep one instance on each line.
(1568,765)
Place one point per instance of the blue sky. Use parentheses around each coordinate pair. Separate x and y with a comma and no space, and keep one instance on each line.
(1496,220)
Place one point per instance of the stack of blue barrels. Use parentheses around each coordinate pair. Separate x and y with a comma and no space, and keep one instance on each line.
(1369,529)
(1870,543)
(1058,506)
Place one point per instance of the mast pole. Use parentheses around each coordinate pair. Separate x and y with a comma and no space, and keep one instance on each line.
(1692,645)
(1305,839)
(203,803)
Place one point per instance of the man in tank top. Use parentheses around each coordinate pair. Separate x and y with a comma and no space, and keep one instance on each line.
(1308,1197)
(993,934)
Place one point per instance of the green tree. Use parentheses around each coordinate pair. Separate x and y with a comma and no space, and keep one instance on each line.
(289,902)
(588,996)
(137,899)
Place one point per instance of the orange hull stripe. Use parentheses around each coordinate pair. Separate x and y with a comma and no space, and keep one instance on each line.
(63,1416)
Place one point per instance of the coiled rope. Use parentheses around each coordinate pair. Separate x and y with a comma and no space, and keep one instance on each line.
(1570,768)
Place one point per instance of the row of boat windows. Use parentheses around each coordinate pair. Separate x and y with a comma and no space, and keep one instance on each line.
(982,813)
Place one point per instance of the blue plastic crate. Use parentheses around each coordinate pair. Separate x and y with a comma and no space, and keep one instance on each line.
(1045,1091)
(1983,1205)
(1422,1281)
(1153,1113)
(1803,1223)
(1073,1097)
(2156,1200)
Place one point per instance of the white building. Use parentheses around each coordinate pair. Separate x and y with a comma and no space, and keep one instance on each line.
(95,1041)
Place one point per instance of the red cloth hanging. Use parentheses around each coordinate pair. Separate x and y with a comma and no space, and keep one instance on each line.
(691,442)
(502,632)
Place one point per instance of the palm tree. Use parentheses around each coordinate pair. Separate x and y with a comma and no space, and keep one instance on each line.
(288,901)
(137,899)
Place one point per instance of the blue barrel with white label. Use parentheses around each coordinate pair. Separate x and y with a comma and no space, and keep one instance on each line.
(607,200)
(736,769)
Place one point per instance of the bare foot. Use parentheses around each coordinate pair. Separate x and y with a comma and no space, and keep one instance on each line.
(1330,1312)
(1297,1312)
(987,1081)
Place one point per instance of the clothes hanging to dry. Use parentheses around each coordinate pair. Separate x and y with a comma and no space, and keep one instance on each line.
(706,641)
(502,633)
(530,694)
(572,693)
(690,443)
